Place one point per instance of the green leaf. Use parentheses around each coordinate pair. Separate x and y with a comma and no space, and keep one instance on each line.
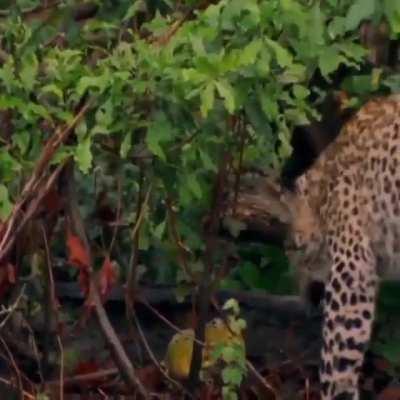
(232,305)
(316,27)
(32,109)
(7,74)
(269,105)
(232,375)
(283,57)
(230,283)
(194,186)
(249,54)
(28,3)
(83,154)
(159,230)
(300,92)
(198,45)
(104,114)
(10,102)
(144,237)
(62,154)
(359,84)
(337,27)
(392,12)
(207,99)
(258,120)
(81,129)
(126,145)
(237,325)
(352,50)
(29,70)
(228,393)
(22,140)
(159,131)
(100,83)
(297,117)
(293,74)
(52,88)
(392,82)
(208,163)
(9,166)
(193,75)
(99,130)
(137,6)
(5,203)
(227,92)
(329,60)
(359,11)
(212,13)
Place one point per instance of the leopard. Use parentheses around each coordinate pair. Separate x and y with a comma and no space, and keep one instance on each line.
(345,224)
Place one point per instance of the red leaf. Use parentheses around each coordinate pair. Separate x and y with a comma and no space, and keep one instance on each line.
(78,254)
(108,277)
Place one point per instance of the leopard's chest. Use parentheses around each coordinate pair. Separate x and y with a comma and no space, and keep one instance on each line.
(378,220)
(380,196)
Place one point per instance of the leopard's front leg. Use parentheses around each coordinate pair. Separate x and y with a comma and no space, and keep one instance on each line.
(349,307)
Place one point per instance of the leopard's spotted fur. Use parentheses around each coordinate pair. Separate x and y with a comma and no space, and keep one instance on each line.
(346,215)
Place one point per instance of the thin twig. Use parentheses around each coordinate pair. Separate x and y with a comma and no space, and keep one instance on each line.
(130,292)
(31,187)
(61,348)
(131,280)
(27,396)
(12,308)
(153,357)
(52,296)
(122,360)
(92,376)
(142,212)
(165,38)
(33,343)
(15,368)
(52,302)
(238,172)
(49,301)
(26,217)
(182,250)
(205,287)
(166,320)
(260,378)
(117,217)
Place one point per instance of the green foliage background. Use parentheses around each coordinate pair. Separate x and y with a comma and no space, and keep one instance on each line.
(166,81)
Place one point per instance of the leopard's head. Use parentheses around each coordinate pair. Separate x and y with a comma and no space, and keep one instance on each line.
(304,244)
